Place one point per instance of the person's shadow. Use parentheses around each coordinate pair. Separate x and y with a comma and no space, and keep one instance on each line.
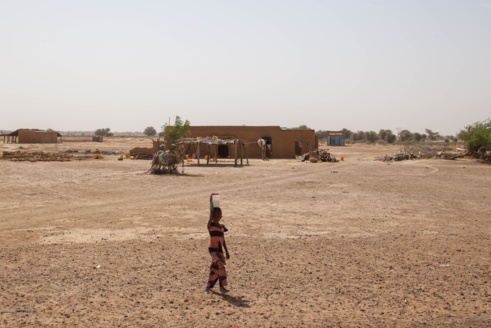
(238,301)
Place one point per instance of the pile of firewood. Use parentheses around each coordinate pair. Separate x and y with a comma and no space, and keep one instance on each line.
(37,156)
(319,154)
(326,156)
(404,155)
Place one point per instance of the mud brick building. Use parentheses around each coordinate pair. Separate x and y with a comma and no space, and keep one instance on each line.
(284,143)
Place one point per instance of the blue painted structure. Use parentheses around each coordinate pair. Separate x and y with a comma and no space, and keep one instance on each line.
(335,138)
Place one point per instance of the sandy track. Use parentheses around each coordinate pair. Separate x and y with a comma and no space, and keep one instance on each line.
(356,243)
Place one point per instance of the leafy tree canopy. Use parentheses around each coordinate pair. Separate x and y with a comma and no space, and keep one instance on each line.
(172,133)
(347,133)
(301,127)
(405,135)
(103,132)
(477,136)
(387,136)
(432,135)
(371,136)
(150,131)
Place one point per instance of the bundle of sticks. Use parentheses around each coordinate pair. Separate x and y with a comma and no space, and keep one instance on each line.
(37,156)
(319,154)
(404,155)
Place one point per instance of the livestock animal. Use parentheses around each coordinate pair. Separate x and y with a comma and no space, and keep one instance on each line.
(263,145)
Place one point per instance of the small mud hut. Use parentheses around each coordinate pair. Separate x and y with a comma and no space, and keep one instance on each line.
(32,136)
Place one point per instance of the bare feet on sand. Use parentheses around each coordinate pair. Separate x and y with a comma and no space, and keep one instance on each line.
(223,289)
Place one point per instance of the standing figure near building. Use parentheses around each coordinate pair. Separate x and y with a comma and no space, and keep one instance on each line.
(215,247)
(269,150)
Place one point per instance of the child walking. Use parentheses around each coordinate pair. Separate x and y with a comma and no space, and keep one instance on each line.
(215,247)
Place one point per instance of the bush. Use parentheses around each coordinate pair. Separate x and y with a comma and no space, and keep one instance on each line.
(405,135)
(103,132)
(359,135)
(301,127)
(477,138)
(150,131)
(322,135)
(347,133)
(387,136)
(371,136)
(417,136)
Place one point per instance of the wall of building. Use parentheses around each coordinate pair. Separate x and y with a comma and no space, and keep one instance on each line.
(27,136)
(283,141)
(153,150)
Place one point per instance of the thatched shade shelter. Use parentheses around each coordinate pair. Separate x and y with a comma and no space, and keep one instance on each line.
(212,146)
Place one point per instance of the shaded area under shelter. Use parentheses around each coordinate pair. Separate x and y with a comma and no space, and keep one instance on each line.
(213,148)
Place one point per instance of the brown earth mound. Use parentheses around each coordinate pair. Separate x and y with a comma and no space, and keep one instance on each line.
(38,156)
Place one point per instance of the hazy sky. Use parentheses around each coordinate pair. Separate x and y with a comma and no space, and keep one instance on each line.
(359,64)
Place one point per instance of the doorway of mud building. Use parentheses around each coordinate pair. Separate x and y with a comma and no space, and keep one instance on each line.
(298,148)
(223,151)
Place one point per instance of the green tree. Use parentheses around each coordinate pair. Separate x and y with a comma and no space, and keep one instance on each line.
(150,131)
(387,136)
(405,135)
(432,135)
(359,135)
(301,127)
(390,137)
(371,136)
(477,137)
(417,136)
(347,133)
(322,135)
(103,132)
(172,133)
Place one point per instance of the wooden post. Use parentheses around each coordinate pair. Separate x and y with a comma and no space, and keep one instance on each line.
(187,151)
(235,142)
(197,153)
(245,151)
(241,154)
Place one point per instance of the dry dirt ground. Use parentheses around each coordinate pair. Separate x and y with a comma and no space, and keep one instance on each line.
(359,243)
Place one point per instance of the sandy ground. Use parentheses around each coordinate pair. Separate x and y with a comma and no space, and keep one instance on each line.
(360,243)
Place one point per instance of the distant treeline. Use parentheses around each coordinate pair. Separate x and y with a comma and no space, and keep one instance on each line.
(387,136)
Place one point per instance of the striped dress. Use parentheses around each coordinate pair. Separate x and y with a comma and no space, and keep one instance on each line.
(217,268)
